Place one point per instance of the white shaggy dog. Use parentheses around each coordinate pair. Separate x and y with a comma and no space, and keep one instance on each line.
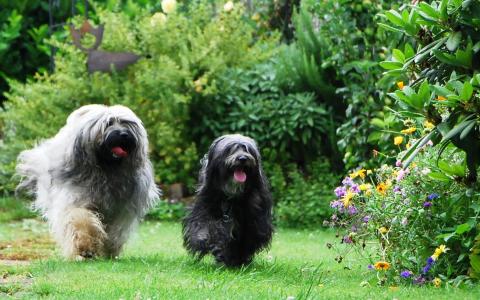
(92,181)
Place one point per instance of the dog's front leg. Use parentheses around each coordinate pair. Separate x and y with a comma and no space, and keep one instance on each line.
(80,233)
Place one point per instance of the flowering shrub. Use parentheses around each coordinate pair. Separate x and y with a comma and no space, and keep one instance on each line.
(413,225)
(436,70)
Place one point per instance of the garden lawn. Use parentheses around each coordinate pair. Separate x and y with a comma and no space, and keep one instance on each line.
(155,266)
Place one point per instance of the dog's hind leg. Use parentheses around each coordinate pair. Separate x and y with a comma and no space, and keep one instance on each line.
(80,233)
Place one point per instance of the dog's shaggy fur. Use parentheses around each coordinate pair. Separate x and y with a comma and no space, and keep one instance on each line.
(92,181)
(232,214)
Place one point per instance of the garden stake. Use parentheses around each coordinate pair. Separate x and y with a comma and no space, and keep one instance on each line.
(99,60)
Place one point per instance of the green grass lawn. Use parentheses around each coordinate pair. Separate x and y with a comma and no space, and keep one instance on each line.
(155,266)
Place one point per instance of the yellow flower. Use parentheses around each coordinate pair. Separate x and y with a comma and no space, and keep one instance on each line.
(360,173)
(443,248)
(393,288)
(347,199)
(256,17)
(382,265)
(382,230)
(408,145)
(169,6)
(409,130)
(398,140)
(158,19)
(437,282)
(369,172)
(228,6)
(368,192)
(441,98)
(382,188)
(400,85)
(428,125)
(198,86)
(364,186)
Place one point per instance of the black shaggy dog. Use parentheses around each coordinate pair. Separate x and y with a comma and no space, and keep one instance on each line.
(232,214)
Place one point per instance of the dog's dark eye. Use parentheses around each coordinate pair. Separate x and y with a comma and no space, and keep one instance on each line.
(110,122)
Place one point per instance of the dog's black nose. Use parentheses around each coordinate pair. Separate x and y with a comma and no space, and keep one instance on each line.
(242,158)
(124,134)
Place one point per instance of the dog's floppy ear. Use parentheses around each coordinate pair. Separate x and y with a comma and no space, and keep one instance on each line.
(211,150)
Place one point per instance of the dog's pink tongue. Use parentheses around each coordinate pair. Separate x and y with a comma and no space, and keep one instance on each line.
(239,176)
(118,151)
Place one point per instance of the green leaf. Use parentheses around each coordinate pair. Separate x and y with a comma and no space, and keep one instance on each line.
(439,176)
(443,9)
(409,52)
(394,17)
(398,56)
(462,228)
(445,236)
(454,40)
(391,65)
(377,122)
(428,11)
(467,91)
(374,136)
(451,169)
(390,28)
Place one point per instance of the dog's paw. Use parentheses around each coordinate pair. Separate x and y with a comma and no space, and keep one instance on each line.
(88,245)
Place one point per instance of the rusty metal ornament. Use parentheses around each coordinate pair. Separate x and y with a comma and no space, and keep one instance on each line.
(99,60)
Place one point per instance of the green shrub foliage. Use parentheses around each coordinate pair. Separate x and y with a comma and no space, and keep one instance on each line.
(423,213)
(183,54)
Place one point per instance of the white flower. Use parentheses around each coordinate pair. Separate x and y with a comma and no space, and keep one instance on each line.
(425,171)
(158,19)
(404,221)
(228,6)
(169,6)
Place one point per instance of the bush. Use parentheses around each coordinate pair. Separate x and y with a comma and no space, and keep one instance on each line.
(436,70)
(22,33)
(287,127)
(337,46)
(423,212)
(183,54)
(408,215)
(167,211)
(302,200)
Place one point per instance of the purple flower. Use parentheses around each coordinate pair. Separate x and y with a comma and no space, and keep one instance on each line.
(347,239)
(406,274)
(427,204)
(354,228)
(430,260)
(334,217)
(352,209)
(347,181)
(433,196)
(355,188)
(397,189)
(366,219)
(370,267)
(398,163)
(426,269)
(340,191)
(336,204)
(428,266)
